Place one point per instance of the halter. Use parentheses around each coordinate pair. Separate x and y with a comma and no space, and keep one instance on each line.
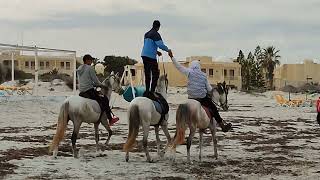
(226,93)
(164,72)
(226,102)
(107,79)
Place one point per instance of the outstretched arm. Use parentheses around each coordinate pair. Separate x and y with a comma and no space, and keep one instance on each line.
(161,45)
(181,68)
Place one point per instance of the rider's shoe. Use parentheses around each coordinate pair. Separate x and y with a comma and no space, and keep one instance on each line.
(113,120)
(225,127)
(151,95)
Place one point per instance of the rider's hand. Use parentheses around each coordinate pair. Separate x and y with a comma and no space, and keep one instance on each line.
(159,53)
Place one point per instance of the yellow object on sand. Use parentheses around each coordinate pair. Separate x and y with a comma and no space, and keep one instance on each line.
(11,89)
(284,102)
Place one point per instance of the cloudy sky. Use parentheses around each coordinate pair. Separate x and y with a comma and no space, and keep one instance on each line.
(218,28)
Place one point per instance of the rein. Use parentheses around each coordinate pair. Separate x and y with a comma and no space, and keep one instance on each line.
(226,102)
(112,75)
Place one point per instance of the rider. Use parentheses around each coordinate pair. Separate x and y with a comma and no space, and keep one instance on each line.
(198,88)
(87,81)
(152,41)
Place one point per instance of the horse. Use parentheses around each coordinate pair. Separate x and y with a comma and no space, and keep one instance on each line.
(220,95)
(192,115)
(79,109)
(142,112)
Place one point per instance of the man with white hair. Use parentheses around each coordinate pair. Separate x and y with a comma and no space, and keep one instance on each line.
(198,88)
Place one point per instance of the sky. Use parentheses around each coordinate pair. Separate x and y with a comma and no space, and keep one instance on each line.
(217,28)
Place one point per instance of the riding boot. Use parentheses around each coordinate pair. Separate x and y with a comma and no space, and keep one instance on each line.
(150,95)
(105,107)
(225,127)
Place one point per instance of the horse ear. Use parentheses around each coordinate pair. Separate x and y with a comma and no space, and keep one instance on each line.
(117,74)
(112,73)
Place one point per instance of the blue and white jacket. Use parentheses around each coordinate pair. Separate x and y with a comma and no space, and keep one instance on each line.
(152,41)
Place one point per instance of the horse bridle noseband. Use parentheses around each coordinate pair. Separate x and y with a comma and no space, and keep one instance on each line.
(114,77)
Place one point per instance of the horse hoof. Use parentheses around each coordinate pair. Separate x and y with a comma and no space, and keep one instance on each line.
(216,157)
(150,161)
(76,155)
(127,159)
(54,157)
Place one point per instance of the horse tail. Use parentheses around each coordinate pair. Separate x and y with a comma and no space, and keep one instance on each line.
(61,126)
(182,117)
(134,124)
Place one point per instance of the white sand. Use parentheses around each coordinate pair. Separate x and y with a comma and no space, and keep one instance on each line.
(267,141)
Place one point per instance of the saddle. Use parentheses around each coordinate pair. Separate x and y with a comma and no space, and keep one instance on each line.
(102,100)
(208,111)
(160,103)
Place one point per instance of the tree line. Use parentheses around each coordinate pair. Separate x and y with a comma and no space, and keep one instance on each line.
(257,69)
(115,63)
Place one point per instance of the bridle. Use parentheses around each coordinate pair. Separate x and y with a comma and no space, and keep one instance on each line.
(225,104)
(114,78)
(165,74)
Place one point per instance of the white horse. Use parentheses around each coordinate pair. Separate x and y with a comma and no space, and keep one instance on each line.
(79,110)
(192,115)
(142,112)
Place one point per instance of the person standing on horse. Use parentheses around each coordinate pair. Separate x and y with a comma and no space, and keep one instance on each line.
(152,41)
(198,89)
(88,80)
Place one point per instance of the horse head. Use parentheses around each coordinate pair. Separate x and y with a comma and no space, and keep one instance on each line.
(162,86)
(219,94)
(112,83)
(223,95)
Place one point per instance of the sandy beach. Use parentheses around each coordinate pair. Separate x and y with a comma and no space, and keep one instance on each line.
(267,142)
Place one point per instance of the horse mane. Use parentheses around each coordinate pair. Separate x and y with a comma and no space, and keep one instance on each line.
(163,77)
(221,88)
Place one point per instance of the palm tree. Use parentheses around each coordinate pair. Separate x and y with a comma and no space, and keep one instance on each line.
(270,59)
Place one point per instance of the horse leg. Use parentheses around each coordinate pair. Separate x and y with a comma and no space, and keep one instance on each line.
(189,141)
(200,143)
(145,141)
(213,130)
(96,134)
(156,129)
(76,128)
(105,123)
(166,132)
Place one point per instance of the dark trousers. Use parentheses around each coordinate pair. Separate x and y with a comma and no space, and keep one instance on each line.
(318,118)
(102,100)
(207,102)
(151,68)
